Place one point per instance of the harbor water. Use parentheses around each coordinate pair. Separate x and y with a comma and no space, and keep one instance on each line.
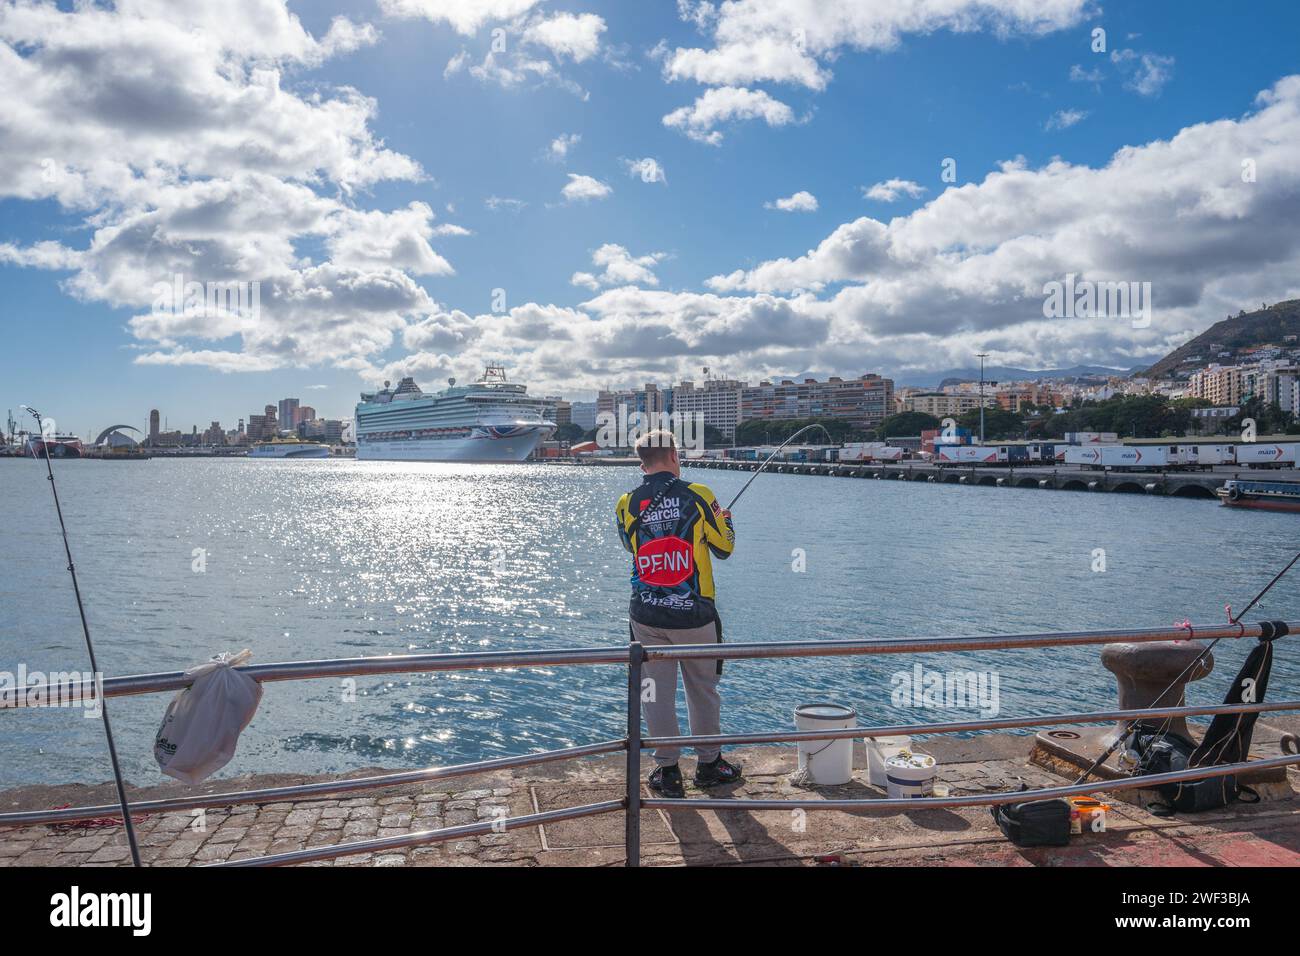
(182,559)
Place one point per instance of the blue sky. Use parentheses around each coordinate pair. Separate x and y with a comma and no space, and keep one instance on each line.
(174,155)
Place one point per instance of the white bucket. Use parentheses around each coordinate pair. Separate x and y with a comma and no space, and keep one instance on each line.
(910,775)
(828,762)
(880,749)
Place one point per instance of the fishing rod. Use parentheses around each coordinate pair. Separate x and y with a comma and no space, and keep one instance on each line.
(760,468)
(1196,662)
(90,646)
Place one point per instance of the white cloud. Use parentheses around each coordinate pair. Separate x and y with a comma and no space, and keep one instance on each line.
(584,189)
(464,16)
(619,267)
(125,116)
(790,41)
(536,46)
(560,146)
(802,201)
(1064,119)
(647,169)
(966,271)
(1079,75)
(723,105)
(497,203)
(891,189)
(1148,72)
(564,34)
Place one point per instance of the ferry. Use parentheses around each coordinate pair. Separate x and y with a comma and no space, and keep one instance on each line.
(491,420)
(289,448)
(1268,495)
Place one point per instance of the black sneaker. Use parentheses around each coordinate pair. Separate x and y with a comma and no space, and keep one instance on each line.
(716,773)
(667,782)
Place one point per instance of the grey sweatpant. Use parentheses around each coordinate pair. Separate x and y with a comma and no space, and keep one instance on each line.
(659,689)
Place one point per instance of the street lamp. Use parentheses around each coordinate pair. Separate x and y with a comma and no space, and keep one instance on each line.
(982,356)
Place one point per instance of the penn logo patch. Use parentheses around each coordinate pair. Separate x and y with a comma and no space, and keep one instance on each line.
(664,562)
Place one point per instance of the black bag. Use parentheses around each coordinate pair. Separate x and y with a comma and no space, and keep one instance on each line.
(1169,752)
(1227,740)
(1035,823)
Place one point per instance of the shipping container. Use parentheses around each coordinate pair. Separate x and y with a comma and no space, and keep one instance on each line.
(1124,457)
(968,455)
(1207,455)
(1266,455)
(1091,438)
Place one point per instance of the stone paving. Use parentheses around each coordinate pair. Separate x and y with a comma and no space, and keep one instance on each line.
(1265,834)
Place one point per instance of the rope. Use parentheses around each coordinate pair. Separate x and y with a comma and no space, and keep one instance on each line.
(1163,730)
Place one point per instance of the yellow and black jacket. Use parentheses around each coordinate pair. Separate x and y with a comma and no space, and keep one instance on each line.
(672,545)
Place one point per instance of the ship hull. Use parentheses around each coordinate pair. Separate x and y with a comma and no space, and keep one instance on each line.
(1261,504)
(36,448)
(477,447)
(320,452)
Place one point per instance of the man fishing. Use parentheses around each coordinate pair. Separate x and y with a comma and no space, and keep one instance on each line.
(672,528)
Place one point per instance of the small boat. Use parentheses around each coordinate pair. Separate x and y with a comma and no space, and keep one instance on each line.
(1268,495)
(289,448)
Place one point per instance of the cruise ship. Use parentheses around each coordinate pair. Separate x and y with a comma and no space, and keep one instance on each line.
(490,420)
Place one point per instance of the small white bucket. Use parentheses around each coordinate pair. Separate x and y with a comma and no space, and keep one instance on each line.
(828,762)
(880,749)
(910,775)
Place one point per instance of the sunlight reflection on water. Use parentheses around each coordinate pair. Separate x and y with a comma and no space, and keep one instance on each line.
(343,558)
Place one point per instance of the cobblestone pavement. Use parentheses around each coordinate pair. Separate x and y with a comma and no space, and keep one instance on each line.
(1267,833)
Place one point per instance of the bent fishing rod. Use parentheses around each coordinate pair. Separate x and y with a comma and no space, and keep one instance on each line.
(760,468)
(90,646)
(1196,662)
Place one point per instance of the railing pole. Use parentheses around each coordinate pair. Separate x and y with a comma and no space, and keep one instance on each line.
(632,821)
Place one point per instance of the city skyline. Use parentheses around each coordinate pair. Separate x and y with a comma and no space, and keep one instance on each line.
(608,194)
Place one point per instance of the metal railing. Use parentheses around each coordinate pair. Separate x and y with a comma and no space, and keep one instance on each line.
(634,657)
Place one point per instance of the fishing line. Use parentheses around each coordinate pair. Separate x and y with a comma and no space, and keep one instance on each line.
(90,647)
(1163,729)
(758,471)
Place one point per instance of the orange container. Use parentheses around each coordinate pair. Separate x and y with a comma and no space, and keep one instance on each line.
(1087,815)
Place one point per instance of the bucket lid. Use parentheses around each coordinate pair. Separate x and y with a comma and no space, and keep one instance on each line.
(825,711)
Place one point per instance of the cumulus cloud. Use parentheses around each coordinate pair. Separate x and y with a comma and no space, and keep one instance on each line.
(891,189)
(533,56)
(964,273)
(802,201)
(969,267)
(619,267)
(564,34)
(585,188)
(463,16)
(724,105)
(124,115)
(791,41)
(560,146)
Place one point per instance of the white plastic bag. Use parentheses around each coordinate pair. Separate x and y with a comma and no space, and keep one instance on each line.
(203,722)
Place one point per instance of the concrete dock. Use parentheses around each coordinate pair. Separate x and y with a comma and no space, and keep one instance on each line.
(1264,834)
(1177,484)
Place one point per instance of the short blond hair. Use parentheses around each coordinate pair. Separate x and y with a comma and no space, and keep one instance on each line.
(654,446)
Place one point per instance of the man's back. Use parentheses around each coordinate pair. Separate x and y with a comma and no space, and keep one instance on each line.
(673,529)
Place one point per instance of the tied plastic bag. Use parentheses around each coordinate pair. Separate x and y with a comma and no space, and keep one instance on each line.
(203,722)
